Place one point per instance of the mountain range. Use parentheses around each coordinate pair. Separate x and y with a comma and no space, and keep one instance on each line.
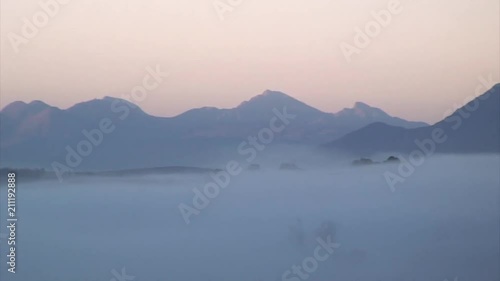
(473,128)
(36,134)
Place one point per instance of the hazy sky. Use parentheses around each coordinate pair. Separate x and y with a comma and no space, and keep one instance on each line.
(427,58)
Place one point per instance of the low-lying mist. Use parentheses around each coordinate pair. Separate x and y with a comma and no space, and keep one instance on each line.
(440,222)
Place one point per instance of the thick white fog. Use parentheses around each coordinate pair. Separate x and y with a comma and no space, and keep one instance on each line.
(441,223)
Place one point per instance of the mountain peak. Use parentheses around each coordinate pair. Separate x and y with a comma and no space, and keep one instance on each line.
(102,107)
(104,102)
(273,93)
(111,99)
(361,105)
(14,106)
(38,103)
(363,110)
(267,97)
(20,108)
(477,133)
(270,99)
(270,96)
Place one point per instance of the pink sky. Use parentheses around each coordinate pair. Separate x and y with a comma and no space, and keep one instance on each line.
(425,61)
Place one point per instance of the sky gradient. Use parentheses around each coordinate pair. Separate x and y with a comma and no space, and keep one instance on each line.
(425,61)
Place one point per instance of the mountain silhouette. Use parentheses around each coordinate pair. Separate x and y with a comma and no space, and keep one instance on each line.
(473,128)
(36,134)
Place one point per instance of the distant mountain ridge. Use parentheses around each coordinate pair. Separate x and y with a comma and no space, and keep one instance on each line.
(36,134)
(361,111)
(473,128)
